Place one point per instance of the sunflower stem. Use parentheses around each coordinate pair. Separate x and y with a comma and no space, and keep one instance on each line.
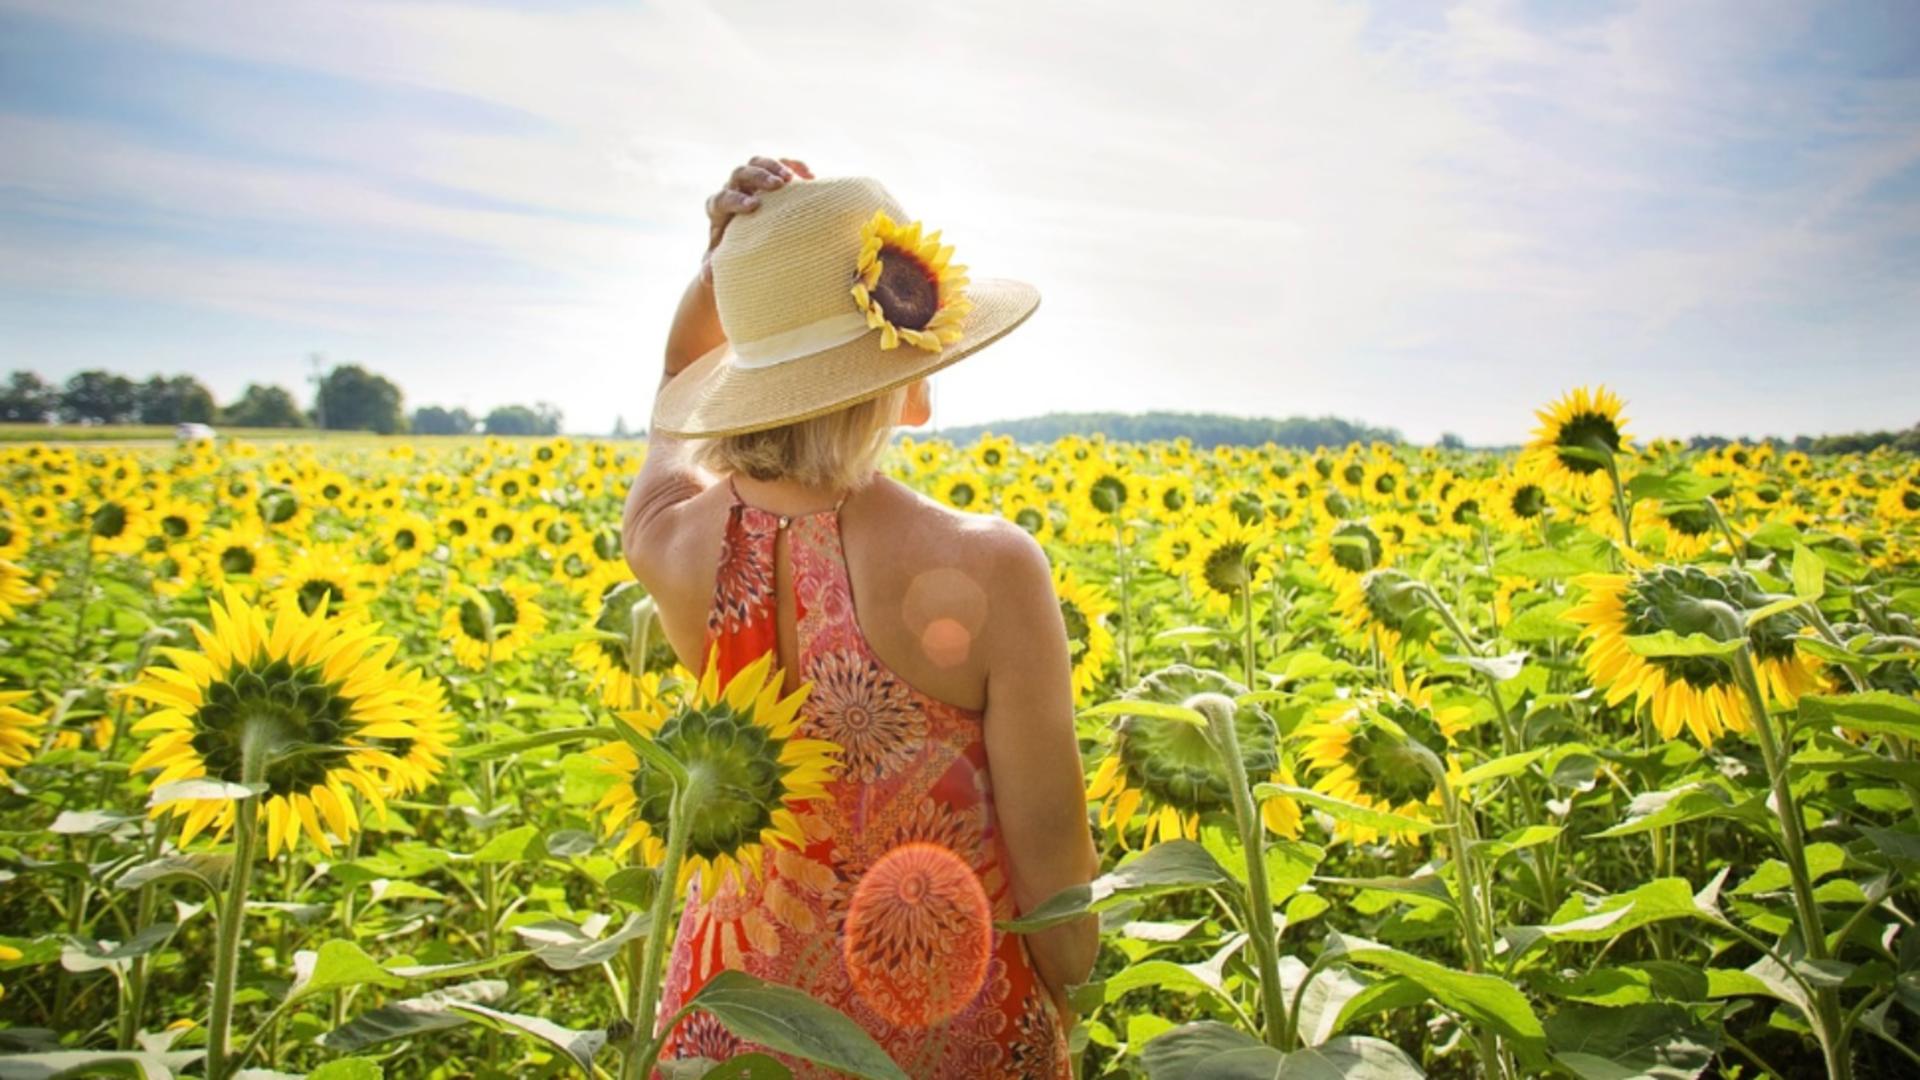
(644,1046)
(1827,1026)
(1262,935)
(1246,594)
(226,966)
(1622,508)
(1735,543)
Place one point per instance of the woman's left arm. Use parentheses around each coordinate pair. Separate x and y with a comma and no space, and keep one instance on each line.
(669,477)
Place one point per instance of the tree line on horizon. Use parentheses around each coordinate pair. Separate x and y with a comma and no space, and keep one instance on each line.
(348,398)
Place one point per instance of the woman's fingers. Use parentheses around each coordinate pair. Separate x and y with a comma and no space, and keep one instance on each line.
(776,166)
(751,178)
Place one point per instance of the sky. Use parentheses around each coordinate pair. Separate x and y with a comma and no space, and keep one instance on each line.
(1430,216)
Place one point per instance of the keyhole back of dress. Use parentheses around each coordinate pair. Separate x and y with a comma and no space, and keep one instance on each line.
(785,612)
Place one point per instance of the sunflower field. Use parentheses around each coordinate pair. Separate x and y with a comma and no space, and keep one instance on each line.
(369,758)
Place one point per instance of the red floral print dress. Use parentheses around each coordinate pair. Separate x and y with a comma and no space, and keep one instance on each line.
(913,780)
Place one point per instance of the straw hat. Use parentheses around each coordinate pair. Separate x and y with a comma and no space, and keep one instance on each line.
(812,288)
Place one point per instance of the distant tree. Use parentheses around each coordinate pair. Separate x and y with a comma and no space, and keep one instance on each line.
(99,397)
(620,428)
(1207,430)
(434,420)
(542,419)
(179,400)
(352,398)
(264,406)
(28,399)
(1450,441)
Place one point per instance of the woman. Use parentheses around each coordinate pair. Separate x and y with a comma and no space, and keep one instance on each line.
(931,639)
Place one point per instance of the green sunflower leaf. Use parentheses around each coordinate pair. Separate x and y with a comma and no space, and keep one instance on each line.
(1172,866)
(1485,1001)
(578,1046)
(1878,712)
(787,1021)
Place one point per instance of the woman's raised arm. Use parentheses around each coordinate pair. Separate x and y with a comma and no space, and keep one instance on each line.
(669,477)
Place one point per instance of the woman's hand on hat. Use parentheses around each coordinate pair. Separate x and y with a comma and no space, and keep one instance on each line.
(741,195)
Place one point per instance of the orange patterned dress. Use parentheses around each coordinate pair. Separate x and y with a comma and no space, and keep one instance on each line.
(940,990)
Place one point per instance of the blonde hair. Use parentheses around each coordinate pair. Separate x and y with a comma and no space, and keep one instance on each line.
(838,450)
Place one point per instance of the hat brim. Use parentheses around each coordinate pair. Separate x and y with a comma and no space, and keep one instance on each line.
(713,396)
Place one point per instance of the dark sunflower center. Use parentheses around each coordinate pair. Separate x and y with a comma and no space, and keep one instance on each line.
(1385,483)
(511,489)
(962,494)
(575,565)
(405,539)
(305,719)
(109,521)
(502,533)
(314,590)
(1529,501)
(237,560)
(174,526)
(1356,548)
(6,534)
(1353,473)
(1466,512)
(1173,499)
(278,507)
(907,291)
(473,621)
(1910,500)
(1588,431)
(606,544)
(1029,519)
(990,458)
(559,532)
(1690,522)
(1077,626)
(1108,494)
(740,760)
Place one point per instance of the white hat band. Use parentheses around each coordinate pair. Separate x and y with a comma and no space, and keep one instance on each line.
(800,341)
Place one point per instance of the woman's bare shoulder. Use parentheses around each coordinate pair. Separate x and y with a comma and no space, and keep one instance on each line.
(975,541)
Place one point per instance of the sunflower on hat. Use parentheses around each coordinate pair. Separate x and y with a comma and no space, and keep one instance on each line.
(907,288)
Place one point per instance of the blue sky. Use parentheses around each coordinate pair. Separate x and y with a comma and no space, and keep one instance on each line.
(1425,215)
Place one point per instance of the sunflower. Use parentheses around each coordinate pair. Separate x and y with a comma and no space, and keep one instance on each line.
(404,539)
(1584,421)
(741,744)
(1369,749)
(176,521)
(18,731)
(907,287)
(314,698)
(1698,693)
(1517,501)
(609,664)
(1223,565)
(1347,549)
(1380,607)
(510,613)
(117,524)
(1684,531)
(990,452)
(284,510)
(329,575)
(963,489)
(1384,481)
(1084,608)
(16,589)
(1026,506)
(1171,770)
(16,533)
(239,551)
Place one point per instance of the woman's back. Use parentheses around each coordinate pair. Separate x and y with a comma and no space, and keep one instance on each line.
(884,610)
